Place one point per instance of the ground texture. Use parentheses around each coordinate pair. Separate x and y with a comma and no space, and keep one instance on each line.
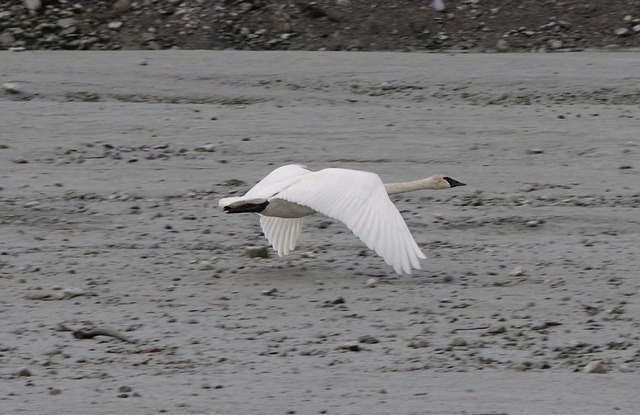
(126,290)
(409,25)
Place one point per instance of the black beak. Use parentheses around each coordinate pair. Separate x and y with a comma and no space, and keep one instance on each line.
(454,182)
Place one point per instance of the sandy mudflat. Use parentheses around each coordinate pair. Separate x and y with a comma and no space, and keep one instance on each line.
(108,220)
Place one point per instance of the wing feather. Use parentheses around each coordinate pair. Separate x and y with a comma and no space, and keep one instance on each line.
(359,200)
(281,233)
(275,178)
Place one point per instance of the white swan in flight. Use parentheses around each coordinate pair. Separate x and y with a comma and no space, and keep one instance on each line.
(357,198)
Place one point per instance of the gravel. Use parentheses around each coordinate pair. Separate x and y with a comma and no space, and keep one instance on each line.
(488,25)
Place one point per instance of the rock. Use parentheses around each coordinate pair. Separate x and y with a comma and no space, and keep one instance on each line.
(367,339)
(257,252)
(497,330)
(555,44)
(636,28)
(67,23)
(439,6)
(209,148)
(115,25)
(33,4)
(418,344)
(7,40)
(594,366)
(535,151)
(269,292)
(518,272)
(205,266)
(122,6)
(351,346)
(24,372)
(339,300)
(371,282)
(12,88)
(72,292)
(458,342)
(502,45)
(622,31)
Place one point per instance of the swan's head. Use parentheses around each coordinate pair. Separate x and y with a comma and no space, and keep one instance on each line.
(440,181)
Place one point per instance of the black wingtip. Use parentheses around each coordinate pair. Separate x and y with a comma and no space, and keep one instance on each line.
(247,208)
(453,182)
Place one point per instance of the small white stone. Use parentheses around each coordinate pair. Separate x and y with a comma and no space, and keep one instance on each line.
(115,25)
(209,148)
(517,272)
(555,44)
(269,292)
(12,87)
(438,5)
(205,266)
(594,366)
(33,4)
(502,45)
(72,292)
(622,31)
(372,282)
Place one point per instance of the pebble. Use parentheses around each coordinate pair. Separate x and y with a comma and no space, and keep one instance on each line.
(459,342)
(177,22)
(33,4)
(535,151)
(205,266)
(351,346)
(555,44)
(368,339)
(115,25)
(72,292)
(371,282)
(209,148)
(518,272)
(622,31)
(502,45)
(594,366)
(497,330)
(12,88)
(257,252)
(439,6)
(270,292)
(24,372)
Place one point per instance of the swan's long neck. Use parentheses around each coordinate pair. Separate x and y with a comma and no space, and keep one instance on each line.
(394,188)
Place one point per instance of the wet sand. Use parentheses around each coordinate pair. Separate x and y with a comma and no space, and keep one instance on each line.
(111,165)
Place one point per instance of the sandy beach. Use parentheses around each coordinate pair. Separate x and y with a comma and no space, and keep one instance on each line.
(111,165)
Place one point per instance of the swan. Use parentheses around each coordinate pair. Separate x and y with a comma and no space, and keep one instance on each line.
(357,198)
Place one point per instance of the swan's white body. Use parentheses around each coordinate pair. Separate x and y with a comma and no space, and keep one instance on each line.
(357,198)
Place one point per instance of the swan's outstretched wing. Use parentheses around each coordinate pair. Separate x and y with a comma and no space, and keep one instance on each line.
(360,200)
(267,186)
(282,233)
(274,178)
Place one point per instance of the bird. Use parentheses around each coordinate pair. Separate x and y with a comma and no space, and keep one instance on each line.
(357,198)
